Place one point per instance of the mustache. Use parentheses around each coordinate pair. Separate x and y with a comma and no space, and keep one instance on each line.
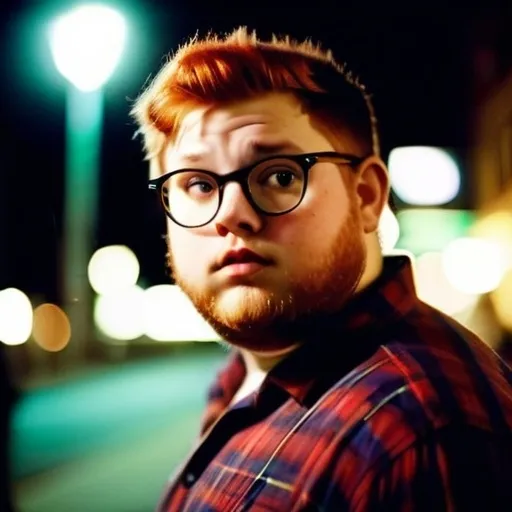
(241,254)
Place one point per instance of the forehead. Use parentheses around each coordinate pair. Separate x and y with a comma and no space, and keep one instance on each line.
(237,129)
(272,112)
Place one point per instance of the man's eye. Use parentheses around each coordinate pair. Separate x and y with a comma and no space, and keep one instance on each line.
(202,187)
(281,178)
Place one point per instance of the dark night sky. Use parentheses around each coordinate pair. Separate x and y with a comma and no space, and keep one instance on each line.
(419,67)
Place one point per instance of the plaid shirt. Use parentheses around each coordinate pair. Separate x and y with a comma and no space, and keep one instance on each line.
(395,407)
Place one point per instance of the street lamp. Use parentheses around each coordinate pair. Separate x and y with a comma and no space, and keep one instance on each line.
(86,44)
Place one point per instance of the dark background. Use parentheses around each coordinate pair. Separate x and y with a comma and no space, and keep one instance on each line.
(427,66)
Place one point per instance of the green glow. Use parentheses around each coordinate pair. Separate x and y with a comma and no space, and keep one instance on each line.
(424,230)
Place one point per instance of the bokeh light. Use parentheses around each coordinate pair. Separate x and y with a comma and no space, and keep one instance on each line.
(170,316)
(422,175)
(120,315)
(496,227)
(473,265)
(501,299)
(87,43)
(434,288)
(432,229)
(51,327)
(16,317)
(113,269)
(389,230)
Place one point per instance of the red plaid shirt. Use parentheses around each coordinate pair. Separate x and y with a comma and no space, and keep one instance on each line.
(395,407)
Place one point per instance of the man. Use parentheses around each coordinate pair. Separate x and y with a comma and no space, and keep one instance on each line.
(343,391)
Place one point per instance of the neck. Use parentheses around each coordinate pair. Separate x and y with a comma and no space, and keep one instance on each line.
(260,363)
(374,263)
(257,365)
(263,362)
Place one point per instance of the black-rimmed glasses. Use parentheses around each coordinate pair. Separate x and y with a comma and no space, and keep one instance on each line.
(273,186)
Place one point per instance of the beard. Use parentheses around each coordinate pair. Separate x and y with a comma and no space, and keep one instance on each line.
(264,319)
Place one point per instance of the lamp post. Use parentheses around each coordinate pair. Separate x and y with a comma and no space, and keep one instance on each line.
(86,44)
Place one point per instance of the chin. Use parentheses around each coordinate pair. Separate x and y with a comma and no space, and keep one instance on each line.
(243,307)
(244,316)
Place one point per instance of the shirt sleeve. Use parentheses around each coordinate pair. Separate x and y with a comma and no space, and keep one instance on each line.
(455,469)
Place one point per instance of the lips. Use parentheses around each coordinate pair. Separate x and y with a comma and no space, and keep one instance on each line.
(242,256)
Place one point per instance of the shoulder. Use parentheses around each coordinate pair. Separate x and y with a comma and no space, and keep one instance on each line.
(412,412)
(453,375)
(431,374)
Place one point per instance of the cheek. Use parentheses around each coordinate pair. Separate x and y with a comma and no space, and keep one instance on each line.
(305,235)
(310,230)
(188,251)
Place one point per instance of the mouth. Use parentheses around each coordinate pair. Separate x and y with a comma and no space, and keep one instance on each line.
(242,262)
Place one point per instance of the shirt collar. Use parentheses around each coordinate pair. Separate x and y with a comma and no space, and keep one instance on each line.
(342,340)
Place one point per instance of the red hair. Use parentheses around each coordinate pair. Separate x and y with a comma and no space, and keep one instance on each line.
(217,70)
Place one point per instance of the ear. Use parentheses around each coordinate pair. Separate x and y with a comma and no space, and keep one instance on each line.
(372,192)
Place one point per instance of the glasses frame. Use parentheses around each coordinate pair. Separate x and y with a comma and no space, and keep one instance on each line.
(241,176)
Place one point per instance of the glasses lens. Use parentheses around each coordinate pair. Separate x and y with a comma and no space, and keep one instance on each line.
(277,185)
(191,198)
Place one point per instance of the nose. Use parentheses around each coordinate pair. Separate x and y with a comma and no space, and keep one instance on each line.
(236,215)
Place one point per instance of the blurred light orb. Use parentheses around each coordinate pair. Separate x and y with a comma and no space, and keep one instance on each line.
(501,299)
(113,268)
(51,328)
(496,227)
(389,229)
(170,316)
(87,43)
(120,315)
(16,317)
(423,176)
(435,289)
(474,265)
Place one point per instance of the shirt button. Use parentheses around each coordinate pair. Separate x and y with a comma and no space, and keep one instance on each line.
(190,478)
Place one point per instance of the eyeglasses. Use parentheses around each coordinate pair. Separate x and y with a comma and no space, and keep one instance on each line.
(273,186)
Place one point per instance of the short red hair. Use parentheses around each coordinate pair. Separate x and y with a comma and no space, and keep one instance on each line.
(239,66)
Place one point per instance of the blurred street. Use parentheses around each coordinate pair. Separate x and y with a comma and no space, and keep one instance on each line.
(107,441)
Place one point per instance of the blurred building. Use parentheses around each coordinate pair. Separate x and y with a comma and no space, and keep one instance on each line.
(491,153)
(492,160)
(492,114)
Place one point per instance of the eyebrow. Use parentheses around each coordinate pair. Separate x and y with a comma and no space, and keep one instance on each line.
(256,149)
(261,149)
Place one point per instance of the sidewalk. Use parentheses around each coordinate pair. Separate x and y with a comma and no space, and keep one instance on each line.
(109,440)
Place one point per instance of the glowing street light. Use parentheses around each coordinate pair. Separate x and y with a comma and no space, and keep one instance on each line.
(86,44)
